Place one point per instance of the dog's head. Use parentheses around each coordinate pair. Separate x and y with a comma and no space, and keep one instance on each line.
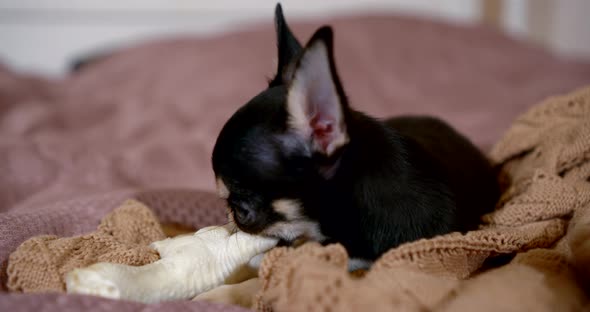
(276,149)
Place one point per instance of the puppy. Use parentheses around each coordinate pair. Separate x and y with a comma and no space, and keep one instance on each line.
(299,162)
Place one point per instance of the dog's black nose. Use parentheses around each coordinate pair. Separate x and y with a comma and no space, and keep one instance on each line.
(245,215)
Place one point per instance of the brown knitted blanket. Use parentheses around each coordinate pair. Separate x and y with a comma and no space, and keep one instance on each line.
(40,263)
(543,219)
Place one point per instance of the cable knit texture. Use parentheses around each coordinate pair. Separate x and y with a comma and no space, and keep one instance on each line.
(543,219)
(123,236)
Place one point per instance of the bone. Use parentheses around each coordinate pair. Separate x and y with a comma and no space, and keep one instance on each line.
(189,265)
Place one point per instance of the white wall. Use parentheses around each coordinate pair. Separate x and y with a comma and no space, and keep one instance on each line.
(561,25)
(44,35)
(571,27)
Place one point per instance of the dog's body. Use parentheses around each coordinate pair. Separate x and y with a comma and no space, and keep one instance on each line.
(402,180)
(298,162)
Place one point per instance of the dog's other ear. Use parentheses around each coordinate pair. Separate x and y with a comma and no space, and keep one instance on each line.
(287,44)
(315,99)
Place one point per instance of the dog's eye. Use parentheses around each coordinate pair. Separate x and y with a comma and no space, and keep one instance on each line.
(236,204)
(232,203)
(234,207)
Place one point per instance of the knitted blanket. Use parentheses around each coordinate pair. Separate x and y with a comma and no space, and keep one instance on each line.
(533,253)
(40,263)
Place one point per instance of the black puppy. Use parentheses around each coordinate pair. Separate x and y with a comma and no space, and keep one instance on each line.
(298,162)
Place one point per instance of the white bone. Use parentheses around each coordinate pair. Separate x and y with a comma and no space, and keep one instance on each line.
(189,265)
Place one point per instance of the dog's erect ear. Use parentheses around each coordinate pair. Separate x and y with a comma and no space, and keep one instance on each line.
(315,100)
(287,45)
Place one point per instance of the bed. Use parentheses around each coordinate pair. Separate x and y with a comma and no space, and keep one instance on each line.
(141,122)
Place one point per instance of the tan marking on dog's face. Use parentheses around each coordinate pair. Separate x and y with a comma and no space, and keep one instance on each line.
(290,209)
(296,226)
(222,190)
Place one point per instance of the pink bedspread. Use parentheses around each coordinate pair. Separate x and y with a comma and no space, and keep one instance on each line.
(142,122)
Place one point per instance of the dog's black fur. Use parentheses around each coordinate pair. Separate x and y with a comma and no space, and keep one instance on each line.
(385,183)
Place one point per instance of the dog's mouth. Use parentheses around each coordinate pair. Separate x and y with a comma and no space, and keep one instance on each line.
(294,233)
(284,239)
(289,233)
(289,241)
(284,243)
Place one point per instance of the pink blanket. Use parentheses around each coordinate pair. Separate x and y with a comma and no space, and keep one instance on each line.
(141,123)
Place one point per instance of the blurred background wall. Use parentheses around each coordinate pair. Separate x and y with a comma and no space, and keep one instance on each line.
(43,36)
